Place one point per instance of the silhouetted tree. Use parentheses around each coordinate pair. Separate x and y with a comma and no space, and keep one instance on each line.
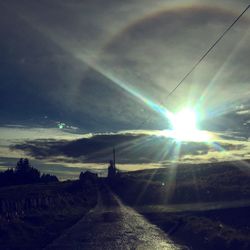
(46,178)
(24,173)
(7,177)
(23,165)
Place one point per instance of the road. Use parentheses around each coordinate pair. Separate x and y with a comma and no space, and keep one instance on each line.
(112,225)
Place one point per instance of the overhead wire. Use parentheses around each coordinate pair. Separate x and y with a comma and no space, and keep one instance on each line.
(202,58)
(208,51)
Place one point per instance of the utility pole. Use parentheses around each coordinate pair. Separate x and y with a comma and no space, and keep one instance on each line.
(114,156)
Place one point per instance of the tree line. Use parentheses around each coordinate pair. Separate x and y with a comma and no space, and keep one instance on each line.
(24,173)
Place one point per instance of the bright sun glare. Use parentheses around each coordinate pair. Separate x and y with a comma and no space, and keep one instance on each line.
(184,127)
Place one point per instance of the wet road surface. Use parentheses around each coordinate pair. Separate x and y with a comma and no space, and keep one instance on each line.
(112,225)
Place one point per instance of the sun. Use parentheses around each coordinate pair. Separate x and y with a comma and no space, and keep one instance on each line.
(184,121)
(184,126)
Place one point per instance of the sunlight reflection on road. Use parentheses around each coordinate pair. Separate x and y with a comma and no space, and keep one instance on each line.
(112,225)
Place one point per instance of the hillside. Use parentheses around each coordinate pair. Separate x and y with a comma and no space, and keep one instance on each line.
(33,215)
(204,206)
(225,181)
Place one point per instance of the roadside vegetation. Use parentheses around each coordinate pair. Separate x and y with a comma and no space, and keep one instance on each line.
(33,215)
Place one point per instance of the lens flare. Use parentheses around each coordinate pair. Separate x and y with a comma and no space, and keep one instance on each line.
(184,127)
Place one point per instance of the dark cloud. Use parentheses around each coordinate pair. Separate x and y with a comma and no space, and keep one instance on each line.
(131,149)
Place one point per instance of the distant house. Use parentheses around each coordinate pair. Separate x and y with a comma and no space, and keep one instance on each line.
(112,170)
(88,177)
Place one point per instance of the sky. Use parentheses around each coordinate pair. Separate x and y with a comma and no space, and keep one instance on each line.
(78,77)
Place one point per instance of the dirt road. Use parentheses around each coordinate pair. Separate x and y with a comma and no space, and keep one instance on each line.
(112,225)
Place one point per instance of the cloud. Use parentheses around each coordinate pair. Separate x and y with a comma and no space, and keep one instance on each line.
(158,50)
(40,65)
(67,62)
(243,112)
(85,64)
(132,148)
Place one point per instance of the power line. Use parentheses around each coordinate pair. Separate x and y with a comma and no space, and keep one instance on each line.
(202,58)
(208,51)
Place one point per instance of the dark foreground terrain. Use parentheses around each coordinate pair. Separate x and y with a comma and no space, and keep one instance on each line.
(210,229)
(31,216)
(179,207)
(204,206)
(112,225)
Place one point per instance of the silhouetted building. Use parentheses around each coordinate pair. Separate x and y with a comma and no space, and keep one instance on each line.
(112,171)
(83,177)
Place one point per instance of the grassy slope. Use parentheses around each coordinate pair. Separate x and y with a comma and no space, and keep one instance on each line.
(187,185)
(214,229)
(38,227)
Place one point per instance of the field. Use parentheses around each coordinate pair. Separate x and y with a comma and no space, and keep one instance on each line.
(204,206)
(33,215)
